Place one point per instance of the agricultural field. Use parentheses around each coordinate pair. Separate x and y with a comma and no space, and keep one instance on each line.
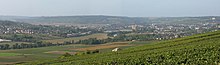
(24,55)
(191,50)
(34,36)
(98,36)
(12,43)
(53,52)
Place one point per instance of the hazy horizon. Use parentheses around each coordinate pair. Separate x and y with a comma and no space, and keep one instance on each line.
(130,8)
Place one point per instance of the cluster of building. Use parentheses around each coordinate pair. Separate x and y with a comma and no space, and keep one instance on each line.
(11,30)
(167,31)
(66,31)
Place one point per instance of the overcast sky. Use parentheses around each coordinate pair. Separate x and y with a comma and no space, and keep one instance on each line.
(140,8)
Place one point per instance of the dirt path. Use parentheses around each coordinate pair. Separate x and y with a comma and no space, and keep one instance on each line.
(59,52)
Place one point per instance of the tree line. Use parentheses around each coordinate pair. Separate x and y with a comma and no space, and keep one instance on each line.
(35,44)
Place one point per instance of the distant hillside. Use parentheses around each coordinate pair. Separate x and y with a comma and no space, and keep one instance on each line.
(13,18)
(87,19)
(110,19)
(193,50)
(11,23)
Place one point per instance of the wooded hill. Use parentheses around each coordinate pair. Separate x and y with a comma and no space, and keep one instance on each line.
(192,50)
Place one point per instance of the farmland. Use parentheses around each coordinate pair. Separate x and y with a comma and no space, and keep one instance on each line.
(98,36)
(197,49)
(24,55)
(9,54)
(53,52)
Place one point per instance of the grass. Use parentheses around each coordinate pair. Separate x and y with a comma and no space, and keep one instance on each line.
(98,36)
(37,36)
(143,42)
(31,54)
(193,50)
(47,53)
(9,54)
(105,46)
(12,43)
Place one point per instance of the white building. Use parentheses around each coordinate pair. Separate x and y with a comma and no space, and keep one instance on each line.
(2,40)
(116,49)
(134,27)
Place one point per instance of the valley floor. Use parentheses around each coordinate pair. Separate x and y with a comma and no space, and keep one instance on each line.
(53,52)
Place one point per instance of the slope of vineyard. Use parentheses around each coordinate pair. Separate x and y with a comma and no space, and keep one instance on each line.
(192,50)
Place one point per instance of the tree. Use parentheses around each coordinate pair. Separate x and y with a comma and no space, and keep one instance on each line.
(66,54)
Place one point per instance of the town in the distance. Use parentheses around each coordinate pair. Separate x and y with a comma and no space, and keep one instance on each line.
(23,37)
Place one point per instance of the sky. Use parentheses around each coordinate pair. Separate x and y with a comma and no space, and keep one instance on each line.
(132,8)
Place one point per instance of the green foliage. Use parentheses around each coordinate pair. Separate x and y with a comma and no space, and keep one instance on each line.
(88,52)
(90,41)
(9,54)
(193,50)
(141,37)
(67,55)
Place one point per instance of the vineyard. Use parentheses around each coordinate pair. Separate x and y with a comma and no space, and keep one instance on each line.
(193,50)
